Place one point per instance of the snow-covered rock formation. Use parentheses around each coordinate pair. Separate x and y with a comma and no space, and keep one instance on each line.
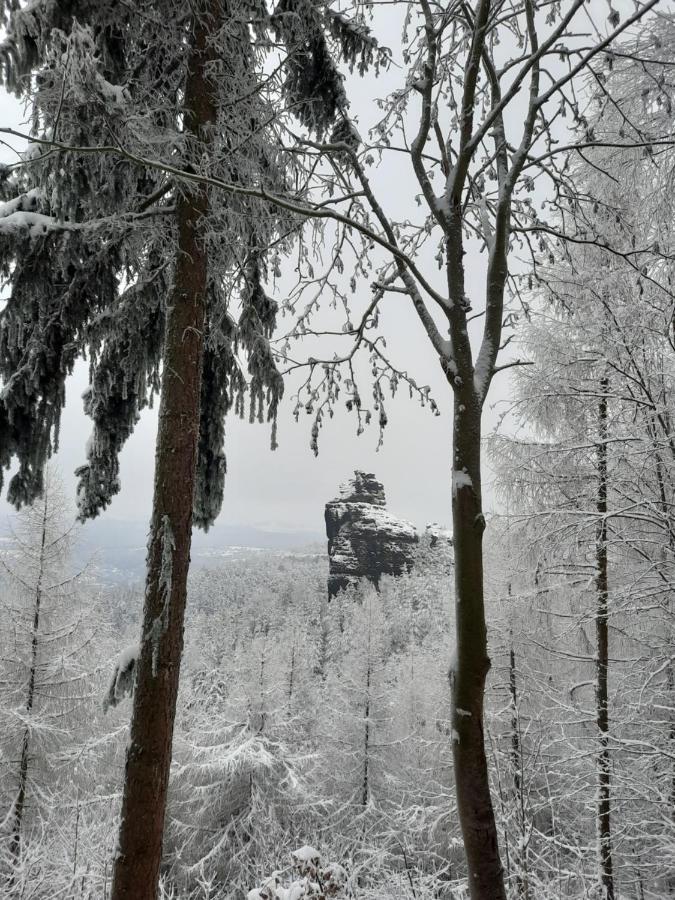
(364,540)
(438,535)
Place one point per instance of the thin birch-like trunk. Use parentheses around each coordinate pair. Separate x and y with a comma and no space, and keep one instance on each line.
(520,856)
(20,802)
(602,663)
(365,787)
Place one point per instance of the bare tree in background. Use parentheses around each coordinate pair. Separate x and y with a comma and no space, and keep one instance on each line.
(43,637)
(478,118)
(590,470)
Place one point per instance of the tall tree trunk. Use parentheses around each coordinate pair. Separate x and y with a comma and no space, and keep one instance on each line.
(670,674)
(365,779)
(138,856)
(602,665)
(291,679)
(520,856)
(365,784)
(474,804)
(20,802)
(670,684)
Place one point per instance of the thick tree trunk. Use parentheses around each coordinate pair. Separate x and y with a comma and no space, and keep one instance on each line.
(138,856)
(20,802)
(474,804)
(602,665)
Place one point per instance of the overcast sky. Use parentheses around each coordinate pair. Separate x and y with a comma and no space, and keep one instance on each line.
(287,489)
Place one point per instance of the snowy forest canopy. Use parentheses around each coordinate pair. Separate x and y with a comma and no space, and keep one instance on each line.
(307,721)
(198,215)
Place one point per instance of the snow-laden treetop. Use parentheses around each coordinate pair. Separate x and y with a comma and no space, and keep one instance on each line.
(88,220)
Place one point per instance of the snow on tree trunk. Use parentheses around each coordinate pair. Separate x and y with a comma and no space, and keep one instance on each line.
(602,665)
(520,856)
(365,787)
(670,682)
(474,803)
(138,855)
(20,802)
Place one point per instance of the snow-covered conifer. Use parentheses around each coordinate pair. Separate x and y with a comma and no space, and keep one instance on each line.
(111,252)
(44,677)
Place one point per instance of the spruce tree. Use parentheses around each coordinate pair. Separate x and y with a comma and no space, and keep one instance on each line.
(110,258)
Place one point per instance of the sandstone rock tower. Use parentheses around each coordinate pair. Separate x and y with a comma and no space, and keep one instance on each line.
(364,540)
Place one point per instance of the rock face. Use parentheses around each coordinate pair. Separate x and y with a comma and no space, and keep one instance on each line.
(438,535)
(364,540)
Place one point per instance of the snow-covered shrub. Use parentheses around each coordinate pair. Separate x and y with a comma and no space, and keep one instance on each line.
(309,877)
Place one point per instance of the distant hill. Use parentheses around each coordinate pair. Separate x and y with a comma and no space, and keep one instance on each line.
(116,548)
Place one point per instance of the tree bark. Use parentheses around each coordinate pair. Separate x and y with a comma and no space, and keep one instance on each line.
(138,855)
(670,684)
(365,783)
(474,804)
(520,856)
(602,665)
